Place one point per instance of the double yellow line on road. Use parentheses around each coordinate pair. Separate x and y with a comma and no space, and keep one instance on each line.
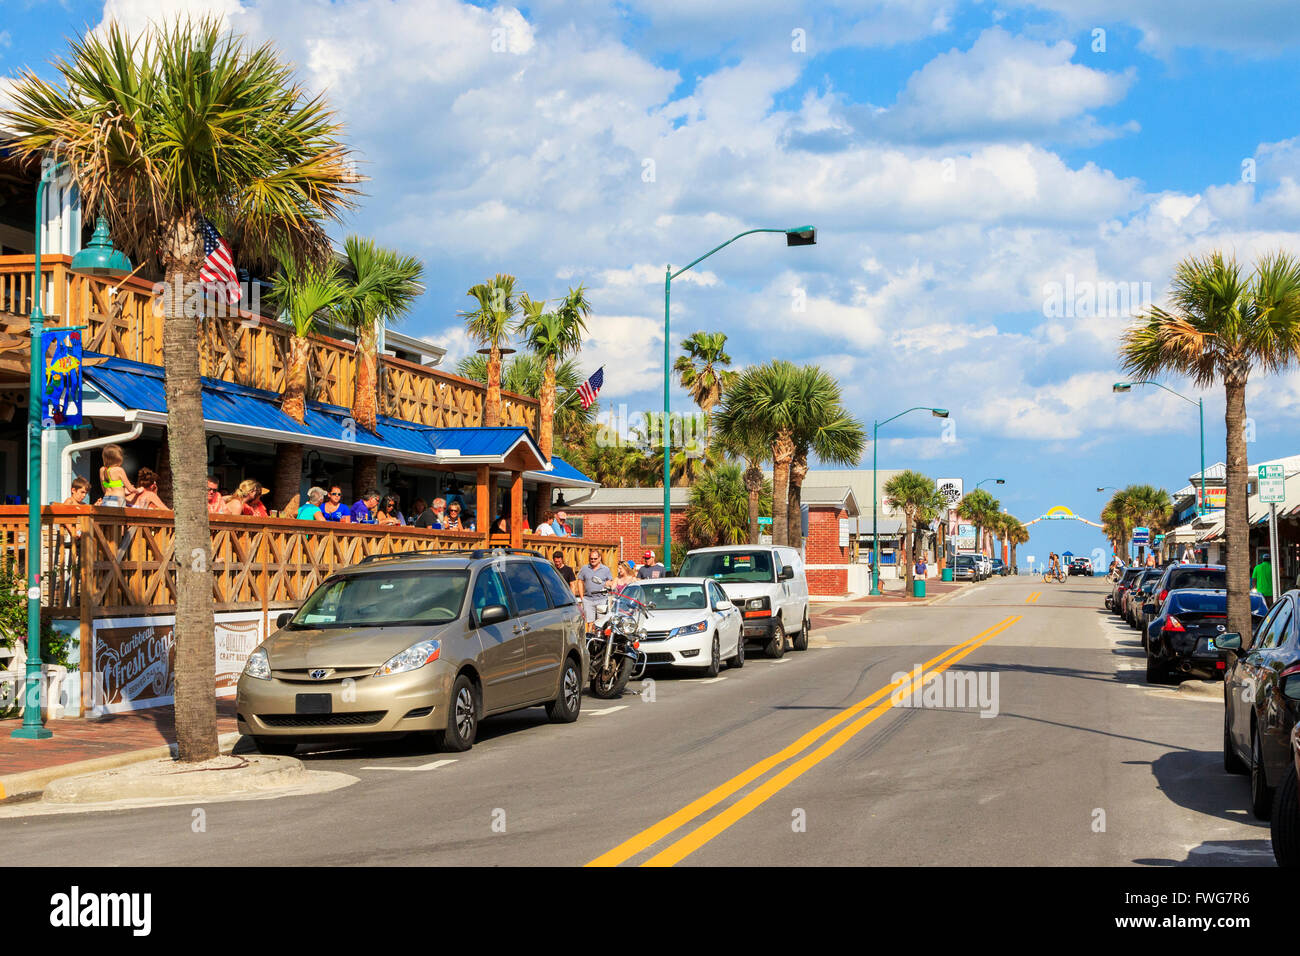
(879,703)
(1033,598)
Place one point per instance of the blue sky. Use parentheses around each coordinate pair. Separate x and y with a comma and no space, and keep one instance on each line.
(959,159)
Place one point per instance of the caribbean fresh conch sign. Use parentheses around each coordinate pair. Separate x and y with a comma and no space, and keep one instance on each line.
(134,664)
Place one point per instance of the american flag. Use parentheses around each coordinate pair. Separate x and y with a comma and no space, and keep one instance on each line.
(218,269)
(589,389)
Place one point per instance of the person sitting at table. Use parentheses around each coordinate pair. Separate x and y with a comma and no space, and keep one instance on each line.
(77,494)
(333,507)
(452,521)
(247,499)
(501,525)
(311,510)
(118,490)
(364,508)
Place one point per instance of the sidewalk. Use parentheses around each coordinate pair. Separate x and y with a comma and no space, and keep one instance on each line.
(833,613)
(113,736)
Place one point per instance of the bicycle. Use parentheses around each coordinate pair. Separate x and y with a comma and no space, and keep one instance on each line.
(1057,575)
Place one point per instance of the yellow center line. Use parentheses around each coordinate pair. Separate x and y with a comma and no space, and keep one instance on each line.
(1033,598)
(708,830)
(653,834)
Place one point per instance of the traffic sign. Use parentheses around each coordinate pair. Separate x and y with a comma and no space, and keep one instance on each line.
(1272,484)
(1140,535)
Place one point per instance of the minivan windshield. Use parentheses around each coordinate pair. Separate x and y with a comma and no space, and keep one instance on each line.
(380,600)
(745,566)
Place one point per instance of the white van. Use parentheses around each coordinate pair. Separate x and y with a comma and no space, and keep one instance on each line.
(767,583)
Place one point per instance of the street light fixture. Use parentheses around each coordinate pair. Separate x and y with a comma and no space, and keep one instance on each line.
(795,236)
(1000,481)
(99,258)
(1121,387)
(875,495)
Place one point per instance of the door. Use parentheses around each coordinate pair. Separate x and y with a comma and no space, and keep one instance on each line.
(502,662)
(542,629)
(1272,656)
(728,622)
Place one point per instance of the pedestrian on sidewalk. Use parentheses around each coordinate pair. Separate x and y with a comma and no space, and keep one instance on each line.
(1262,577)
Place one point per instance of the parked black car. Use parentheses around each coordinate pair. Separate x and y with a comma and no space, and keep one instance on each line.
(1260,687)
(1114,599)
(1184,636)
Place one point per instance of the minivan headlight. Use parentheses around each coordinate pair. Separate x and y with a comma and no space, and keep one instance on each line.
(413,658)
(259,665)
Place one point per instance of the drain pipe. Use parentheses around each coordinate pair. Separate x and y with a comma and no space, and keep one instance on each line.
(77,447)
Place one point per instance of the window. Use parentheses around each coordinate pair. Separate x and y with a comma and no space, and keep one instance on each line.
(556,589)
(669,597)
(575,525)
(1279,628)
(358,600)
(489,590)
(652,532)
(750,566)
(526,588)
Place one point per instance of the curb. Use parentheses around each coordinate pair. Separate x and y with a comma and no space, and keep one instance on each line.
(35,781)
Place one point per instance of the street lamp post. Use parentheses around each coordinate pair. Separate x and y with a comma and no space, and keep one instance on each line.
(798,236)
(98,258)
(875,495)
(1000,481)
(1121,387)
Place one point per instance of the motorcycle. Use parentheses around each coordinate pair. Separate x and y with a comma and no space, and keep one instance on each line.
(614,647)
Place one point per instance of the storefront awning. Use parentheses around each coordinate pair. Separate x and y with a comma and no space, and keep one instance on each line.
(240,411)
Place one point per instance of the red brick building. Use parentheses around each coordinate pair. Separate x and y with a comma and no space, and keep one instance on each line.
(635,517)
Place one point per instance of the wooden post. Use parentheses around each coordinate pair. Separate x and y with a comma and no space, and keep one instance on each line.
(483,505)
(85,665)
(516,509)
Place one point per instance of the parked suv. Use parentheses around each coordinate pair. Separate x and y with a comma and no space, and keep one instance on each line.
(1080,566)
(769,586)
(417,643)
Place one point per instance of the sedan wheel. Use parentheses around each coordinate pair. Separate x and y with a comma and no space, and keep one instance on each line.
(739,659)
(1261,794)
(1285,831)
(715,657)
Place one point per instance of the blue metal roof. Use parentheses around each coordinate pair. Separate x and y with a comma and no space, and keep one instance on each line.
(134,385)
(563,471)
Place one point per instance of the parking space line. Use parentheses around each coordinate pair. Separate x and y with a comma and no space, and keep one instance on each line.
(711,680)
(424,766)
(607,710)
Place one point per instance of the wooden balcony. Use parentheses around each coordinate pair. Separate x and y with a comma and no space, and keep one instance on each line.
(246,348)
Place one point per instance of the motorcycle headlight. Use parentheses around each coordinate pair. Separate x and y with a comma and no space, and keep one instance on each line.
(413,658)
(697,628)
(625,624)
(259,665)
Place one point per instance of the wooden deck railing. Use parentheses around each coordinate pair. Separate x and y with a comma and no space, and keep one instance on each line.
(100,562)
(246,348)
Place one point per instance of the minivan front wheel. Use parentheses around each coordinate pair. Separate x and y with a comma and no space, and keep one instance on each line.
(564,709)
(776,645)
(462,717)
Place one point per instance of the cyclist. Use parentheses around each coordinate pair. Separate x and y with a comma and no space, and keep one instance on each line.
(1054,565)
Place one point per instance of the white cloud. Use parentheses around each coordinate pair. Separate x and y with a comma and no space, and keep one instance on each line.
(1003,86)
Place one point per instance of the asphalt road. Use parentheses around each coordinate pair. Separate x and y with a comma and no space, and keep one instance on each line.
(805,761)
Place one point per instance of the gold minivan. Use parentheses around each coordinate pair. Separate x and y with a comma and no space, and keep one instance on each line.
(420,643)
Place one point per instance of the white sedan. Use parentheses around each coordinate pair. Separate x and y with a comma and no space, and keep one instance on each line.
(691,623)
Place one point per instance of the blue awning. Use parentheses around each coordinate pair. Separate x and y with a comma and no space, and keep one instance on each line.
(255,413)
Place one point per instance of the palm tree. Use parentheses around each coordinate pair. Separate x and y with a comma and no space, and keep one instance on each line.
(981,508)
(702,372)
(382,286)
(754,449)
(525,374)
(1017,534)
(1221,324)
(918,498)
(824,428)
(302,291)
(490,326)
(158,131)
(718,511)
(553,336)
(690,457)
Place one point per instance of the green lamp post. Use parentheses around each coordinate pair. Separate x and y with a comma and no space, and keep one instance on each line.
(1120,387)
(98,258)
(875,495)
(798,236)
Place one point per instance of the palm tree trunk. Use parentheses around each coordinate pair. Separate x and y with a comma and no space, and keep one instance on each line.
(782,456)
(195,643)
(492,405)
(364,404)
(907,548)
(798,472)
(294,403)
(1236,519)
(754,485)
(546,428)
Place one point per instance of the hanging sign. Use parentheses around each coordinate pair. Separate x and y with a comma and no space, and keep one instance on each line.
(61,383)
